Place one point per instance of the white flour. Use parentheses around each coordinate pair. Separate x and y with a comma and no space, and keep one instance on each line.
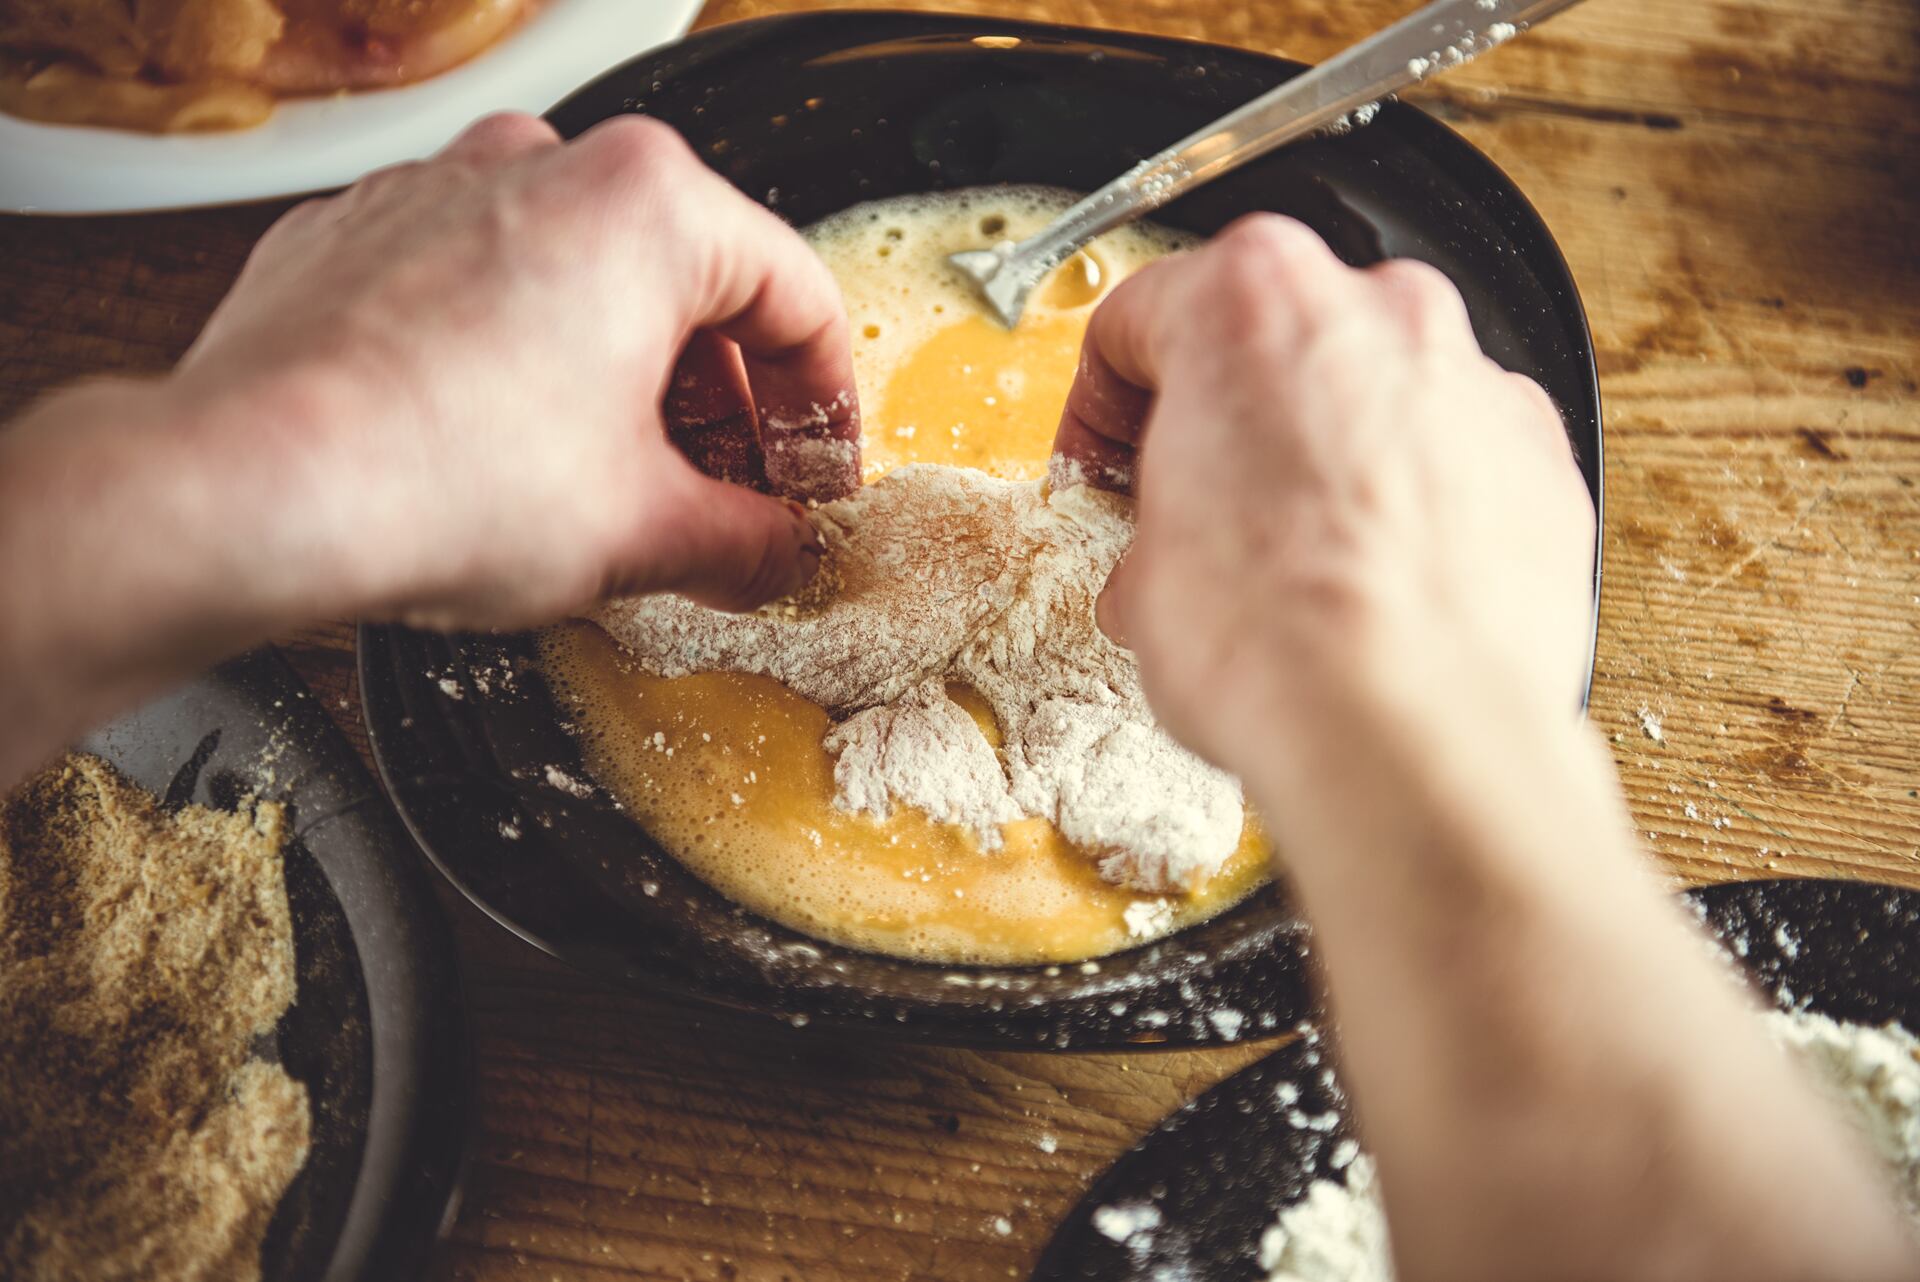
(926,750)
(947,575)
(1149,918)
(1338,1232)
(1874,1075)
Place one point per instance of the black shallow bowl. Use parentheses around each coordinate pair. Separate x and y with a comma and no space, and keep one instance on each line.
(810,114)
(377,1032)
(1219,1168)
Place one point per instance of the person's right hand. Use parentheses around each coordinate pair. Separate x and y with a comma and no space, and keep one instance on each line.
(1336,491)
(1362,581)
(458,370)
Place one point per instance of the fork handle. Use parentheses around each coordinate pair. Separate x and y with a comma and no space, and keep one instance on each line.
(1436,38)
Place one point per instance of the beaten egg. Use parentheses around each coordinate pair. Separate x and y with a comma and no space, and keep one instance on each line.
(727,770)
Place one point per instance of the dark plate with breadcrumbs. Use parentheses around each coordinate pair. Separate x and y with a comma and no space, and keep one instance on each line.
(377,1032)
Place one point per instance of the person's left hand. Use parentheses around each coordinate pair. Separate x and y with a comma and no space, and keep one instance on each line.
(460,367)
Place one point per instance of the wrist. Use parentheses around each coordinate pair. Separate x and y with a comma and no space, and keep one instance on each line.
(296,462)
(105,592)
(147,529)
(1431,756)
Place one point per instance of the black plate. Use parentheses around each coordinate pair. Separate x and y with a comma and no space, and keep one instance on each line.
(1220,1168)
(1847,949)
(377,1032)
(1215,1172)
(812,113)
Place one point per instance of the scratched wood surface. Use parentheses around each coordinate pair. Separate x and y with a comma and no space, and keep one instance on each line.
(1737,187)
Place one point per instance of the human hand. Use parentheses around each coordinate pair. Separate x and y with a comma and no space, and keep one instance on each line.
(1361,581)
(462,364)
(1339,495)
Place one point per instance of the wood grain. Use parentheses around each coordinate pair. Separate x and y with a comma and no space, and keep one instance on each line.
(1736,186)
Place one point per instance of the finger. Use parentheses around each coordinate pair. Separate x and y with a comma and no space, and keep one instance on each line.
(1082,456)
(721,545)
(709,412)
(1264,276)
(804,398)
(501,136)
(1536,404)
(812,448)
(751,278)
(1111,394)
(799,363)
(1550,427)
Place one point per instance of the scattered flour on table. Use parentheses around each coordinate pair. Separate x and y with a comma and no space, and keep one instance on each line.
(1338,1231)
(949,576)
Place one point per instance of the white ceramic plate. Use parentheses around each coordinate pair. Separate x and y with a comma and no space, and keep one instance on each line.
(315,144)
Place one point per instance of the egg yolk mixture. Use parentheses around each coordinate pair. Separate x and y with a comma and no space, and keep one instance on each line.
(727,770)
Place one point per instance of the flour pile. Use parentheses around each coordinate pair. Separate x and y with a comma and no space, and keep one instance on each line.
(1338,1231)
(950,576)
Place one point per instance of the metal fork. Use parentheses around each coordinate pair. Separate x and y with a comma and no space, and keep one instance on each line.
(1344,90)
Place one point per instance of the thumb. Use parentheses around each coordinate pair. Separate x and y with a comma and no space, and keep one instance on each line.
(721,545)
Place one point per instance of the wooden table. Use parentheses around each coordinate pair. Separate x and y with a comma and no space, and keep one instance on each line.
(1737,186)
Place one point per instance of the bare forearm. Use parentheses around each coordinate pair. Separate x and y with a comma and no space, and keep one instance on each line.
(1552,1072)
(144,533)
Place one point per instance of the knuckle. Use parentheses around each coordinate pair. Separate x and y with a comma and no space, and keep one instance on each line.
(1263,268)
(1424,301)
(393,175)
(1425,285)
(506,127)
(1240,296)
(1270,245)
(642,144)
(384,182)
(301,216)
(1534,399)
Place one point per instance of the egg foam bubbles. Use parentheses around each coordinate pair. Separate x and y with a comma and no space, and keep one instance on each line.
(941,380)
